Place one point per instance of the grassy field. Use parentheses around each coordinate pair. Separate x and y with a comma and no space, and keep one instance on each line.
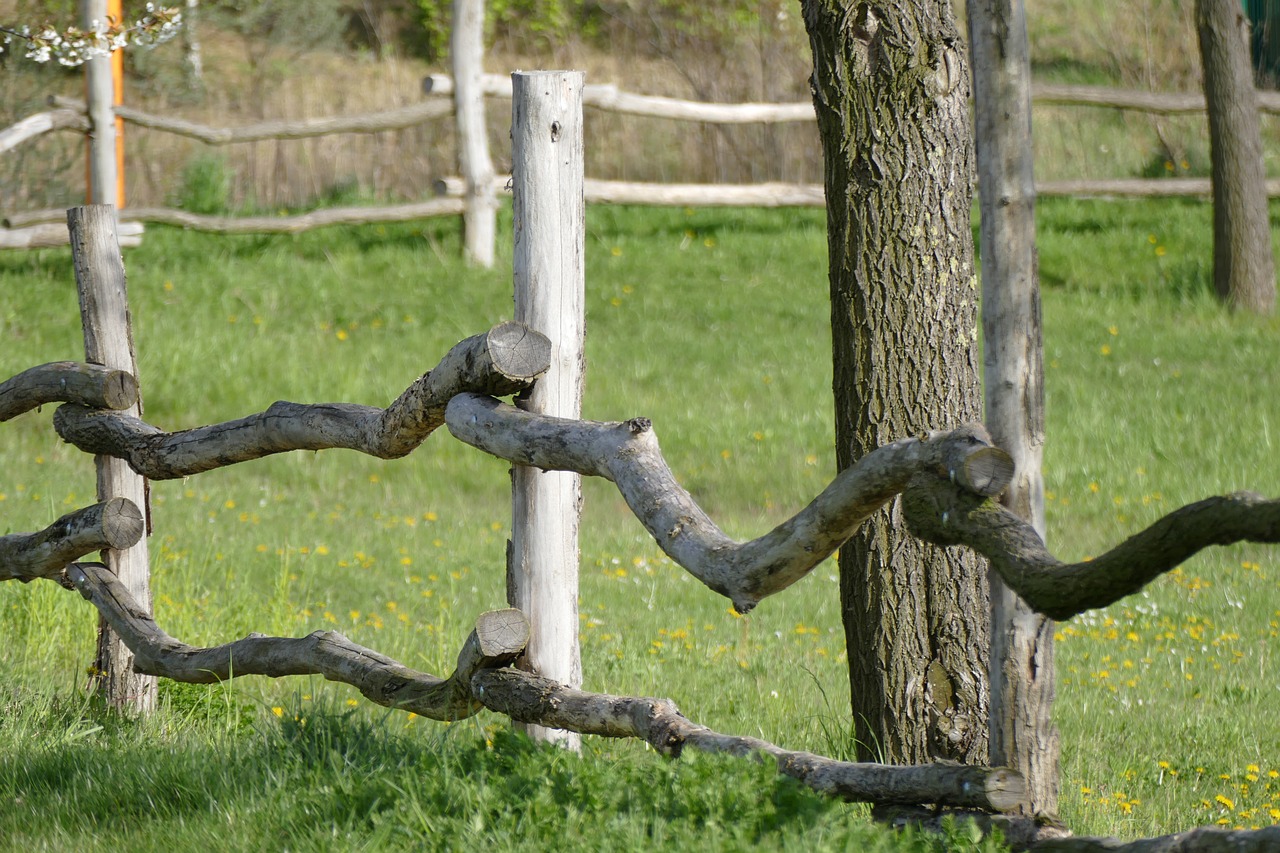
(715,325)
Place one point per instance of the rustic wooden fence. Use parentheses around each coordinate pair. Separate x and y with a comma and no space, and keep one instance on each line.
(946,480)
(477,185)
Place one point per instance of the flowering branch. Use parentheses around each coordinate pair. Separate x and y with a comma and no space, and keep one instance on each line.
(74,46)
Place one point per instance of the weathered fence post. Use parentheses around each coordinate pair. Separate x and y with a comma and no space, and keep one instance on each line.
(466,47)
(1021,665)
(108,340)
(550,224)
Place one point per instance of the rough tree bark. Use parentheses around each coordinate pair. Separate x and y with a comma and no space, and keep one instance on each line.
(890,90)
(1021,666)
(1243,269)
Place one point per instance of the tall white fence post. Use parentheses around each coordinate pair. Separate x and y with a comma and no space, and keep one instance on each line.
(466,48)
(550,228)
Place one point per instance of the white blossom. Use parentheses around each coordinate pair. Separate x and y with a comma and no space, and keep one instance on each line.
(74,46)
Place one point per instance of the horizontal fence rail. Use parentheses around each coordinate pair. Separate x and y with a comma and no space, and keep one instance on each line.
(40,228)
(31,229)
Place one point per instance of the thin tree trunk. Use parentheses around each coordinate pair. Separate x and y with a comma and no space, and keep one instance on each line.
(1243,269)
(891,93)
(192,59)
(100,94)
(1021,666)
(467,54)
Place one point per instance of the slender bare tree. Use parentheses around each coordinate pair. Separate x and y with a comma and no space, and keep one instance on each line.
(1243,268)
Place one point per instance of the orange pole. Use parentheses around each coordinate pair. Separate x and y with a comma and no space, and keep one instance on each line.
(115,14)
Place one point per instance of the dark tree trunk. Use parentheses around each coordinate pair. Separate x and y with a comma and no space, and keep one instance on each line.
(1243,270)
(890,88)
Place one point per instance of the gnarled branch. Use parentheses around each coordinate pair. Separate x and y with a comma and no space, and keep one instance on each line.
(1206,839)
(395,119)
(499,636)
(116,523)
(67,382)
(938,512)
(481,680)
(504,360)
(628,454)
(530,699)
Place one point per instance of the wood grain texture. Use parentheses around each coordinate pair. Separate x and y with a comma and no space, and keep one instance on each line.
(549,224)
(67,381)
(1020,668)
(115,523)
(108,341)
(530,698)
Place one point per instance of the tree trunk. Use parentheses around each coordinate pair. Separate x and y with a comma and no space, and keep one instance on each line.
(890,90)
(100,95)
(479,218)
(1243,270)
(191,56)
(1021,664)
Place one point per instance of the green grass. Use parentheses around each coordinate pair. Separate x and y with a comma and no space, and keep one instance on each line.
(715,325)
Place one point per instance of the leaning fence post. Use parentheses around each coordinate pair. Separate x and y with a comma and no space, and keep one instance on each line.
(108,340)
(550,228)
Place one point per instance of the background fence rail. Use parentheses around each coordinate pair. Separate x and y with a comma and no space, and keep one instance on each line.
(24,229)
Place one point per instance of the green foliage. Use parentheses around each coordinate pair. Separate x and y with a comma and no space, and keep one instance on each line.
(518,21)
(276,30)
(206,186)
